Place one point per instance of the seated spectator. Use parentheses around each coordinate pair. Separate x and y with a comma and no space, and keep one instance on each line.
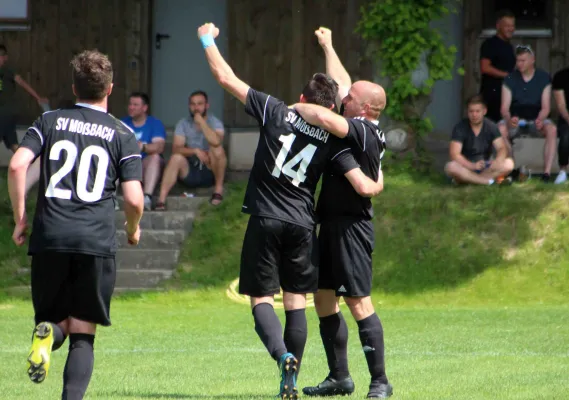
(526,103)
(198,158)
(560,94)
(151,137)
(472,142)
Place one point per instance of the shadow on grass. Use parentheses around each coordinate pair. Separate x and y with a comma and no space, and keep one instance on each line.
(188,396)
(429,234)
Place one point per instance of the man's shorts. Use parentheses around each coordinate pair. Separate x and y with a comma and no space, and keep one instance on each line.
(72,285)
(346,245)
(278,254)
(528,130)
(198,176)
(8,132)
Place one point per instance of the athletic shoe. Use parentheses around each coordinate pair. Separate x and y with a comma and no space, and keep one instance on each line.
(561,177)
(380,391)
(288,364)
(39,357)
(331,387)
(147,203)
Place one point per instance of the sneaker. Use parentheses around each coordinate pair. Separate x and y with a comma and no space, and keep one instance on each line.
(288,365)
(147,203)
(380,391)
(331,387)
(546,178)
(39,357)
(561,177)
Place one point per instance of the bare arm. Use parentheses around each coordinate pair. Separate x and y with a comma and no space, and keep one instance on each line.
(334,66)
(133,204)
(487,69)
(501,151)
(156,147)
(219,67)
(545,103)
(506,103)
(179,147)
(213,136)
(364,185)
(559,96)
(455,153)
(20,81)
(324,118)
(19,164)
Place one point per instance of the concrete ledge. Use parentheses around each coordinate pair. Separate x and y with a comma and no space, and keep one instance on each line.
(529,152)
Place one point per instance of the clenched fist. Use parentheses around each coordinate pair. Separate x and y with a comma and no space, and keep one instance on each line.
(208,28)
(324,36)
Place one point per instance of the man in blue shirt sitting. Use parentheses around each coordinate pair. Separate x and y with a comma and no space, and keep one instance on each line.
(526,103)
(151,137)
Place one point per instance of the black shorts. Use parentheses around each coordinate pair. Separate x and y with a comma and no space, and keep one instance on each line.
(199,176)
(72,285)
(8,132)
(278,254)
(346,245)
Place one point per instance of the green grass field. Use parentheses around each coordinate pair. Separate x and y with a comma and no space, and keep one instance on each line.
(471,285)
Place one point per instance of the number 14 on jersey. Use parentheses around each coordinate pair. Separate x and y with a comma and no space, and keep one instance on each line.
(303,158)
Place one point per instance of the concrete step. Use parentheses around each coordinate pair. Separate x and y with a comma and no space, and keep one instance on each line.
(161,220)
(177,203)
(141,278)
(139,259)
(154,239)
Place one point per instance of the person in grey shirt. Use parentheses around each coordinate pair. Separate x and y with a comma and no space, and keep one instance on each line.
(198,158)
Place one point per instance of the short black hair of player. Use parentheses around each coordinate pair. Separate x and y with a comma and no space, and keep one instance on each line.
(141,95)
(92,74)
(321,90)
(200,93)
(505,13)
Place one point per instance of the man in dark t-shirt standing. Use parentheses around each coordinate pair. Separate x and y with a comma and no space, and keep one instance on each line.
(471,146)
(497,60)
(560,88)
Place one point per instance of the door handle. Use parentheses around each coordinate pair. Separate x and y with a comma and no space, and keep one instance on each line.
(159,37)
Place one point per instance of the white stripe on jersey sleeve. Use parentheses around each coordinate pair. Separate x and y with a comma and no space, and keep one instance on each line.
(127,157)
(33,128)
(265,109)
(126,126)
(340,152)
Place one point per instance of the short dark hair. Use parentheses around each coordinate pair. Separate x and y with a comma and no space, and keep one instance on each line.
(199,93)
(505,13)
(3,50)
(321,89)
(476,99)
(92,74)
(141,95)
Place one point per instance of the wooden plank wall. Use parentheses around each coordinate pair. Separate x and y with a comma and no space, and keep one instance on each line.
(273,48)
(552,53)
(62,28)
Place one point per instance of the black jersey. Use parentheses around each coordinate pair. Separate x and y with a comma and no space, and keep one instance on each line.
(83,151)
(290,158)
(337,197)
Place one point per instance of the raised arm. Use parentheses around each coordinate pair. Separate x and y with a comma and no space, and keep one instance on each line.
(334,66)
(324,118)
(219,67)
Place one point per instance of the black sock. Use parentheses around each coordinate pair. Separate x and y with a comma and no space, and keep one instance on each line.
(371,336)
(334,334)
(269,328)
(58,336)
(295,333)
(79,366)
